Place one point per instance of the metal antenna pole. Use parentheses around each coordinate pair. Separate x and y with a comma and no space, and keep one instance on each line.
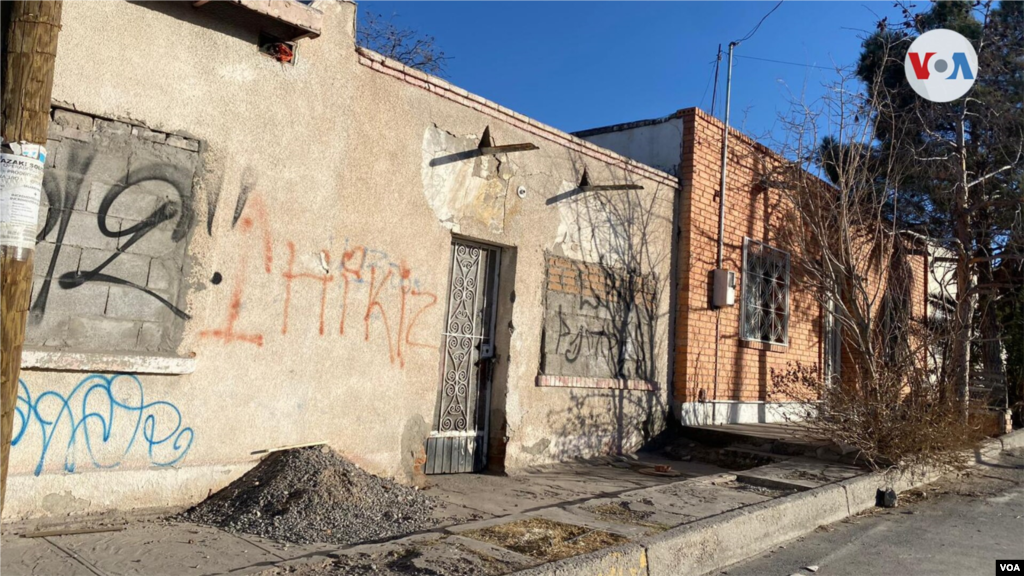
(725,158)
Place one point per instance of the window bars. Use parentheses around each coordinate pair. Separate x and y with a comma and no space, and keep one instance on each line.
(764,313)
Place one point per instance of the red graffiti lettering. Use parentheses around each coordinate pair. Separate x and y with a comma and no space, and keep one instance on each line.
(290,275)
(349,272)
(227,333)
(375,303)
(415,317)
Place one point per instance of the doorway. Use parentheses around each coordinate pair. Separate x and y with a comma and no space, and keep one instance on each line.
(458,439)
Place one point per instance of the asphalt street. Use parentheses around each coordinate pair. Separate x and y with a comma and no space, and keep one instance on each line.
(958,526)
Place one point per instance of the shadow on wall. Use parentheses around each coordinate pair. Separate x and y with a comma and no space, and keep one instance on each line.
(741,372)
(222,17)
(610,328)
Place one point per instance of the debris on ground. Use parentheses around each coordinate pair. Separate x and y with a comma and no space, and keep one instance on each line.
(731,458)
(886,498)
(632,463)
(621,513)
(762,490)
(428,560)
(311,495)
(546,540)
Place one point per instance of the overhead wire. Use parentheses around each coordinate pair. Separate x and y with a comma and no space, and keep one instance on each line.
(783,62)
(755,28)
(706,87)
(718,64)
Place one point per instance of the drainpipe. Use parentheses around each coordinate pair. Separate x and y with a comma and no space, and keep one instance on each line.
(721,225)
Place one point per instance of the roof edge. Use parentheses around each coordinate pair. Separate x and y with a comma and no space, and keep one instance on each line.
(627,125)
(442,88)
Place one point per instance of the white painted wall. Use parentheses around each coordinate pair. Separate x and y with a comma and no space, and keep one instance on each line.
(657,145)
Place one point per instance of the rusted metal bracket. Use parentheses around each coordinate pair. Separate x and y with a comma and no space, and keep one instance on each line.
(586,186)
(524,147)
(487,147)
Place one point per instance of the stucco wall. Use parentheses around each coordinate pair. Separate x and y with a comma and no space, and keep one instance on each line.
(656,143)
(317,265)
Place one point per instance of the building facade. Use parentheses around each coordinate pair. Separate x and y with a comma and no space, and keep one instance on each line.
(724,356)
(250,241)
(257,235)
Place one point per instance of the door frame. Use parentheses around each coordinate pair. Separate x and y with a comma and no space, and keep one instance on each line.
(442,447)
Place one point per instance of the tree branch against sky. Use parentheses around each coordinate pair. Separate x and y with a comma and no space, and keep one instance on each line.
(965,190)
(406,45)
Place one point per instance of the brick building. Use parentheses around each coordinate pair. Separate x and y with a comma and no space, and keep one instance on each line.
(723,357)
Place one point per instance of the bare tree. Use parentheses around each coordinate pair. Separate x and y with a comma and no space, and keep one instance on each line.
(405,45)
(879,394)
(965,189)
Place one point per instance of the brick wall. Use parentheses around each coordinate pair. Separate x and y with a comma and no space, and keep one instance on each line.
(884,288)
(738,370)
(598,322)
(114,227)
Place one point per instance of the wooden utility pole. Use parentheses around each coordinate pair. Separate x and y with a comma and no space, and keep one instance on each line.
(29,51)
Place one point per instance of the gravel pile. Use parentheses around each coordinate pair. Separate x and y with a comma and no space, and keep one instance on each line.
(311,495)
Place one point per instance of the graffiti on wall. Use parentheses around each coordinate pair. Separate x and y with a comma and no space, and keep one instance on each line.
(112,256)
(364,285)
(585,337)
(598,321)
(101,422)
(63,193)
(114,224)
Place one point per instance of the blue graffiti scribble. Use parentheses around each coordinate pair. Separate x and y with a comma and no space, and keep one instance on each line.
(379,259)
(107,403)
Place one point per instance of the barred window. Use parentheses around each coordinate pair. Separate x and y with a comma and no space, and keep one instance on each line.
(764,316)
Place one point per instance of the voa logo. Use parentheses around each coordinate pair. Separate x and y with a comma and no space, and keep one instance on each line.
(941,65)
(1007,567)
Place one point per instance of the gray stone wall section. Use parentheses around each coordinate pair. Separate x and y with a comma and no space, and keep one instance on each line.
(595,337)
(114,226)
(578,340)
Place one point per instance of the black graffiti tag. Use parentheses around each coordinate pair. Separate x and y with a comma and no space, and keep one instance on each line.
(65,197)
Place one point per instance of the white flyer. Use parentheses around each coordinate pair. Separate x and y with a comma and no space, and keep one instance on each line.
(21,185)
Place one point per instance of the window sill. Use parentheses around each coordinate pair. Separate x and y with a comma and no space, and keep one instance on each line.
(125,362)
(765,346)
(549,381)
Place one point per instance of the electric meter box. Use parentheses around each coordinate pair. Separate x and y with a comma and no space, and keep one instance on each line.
(725,288)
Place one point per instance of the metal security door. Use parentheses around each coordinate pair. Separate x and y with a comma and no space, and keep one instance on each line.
(458,442)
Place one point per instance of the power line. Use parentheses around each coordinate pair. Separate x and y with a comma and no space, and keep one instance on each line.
(708,85)
(714,95)
(783,62)
(754,30)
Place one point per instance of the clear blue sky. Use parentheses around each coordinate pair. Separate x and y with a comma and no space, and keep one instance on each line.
(578,65)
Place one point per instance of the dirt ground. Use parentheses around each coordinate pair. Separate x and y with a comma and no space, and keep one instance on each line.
(437,559)
(545,539)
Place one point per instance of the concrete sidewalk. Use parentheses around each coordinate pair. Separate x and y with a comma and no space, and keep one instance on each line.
(604,496)
(598,517)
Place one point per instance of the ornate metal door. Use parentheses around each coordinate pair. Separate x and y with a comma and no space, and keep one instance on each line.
(458,442)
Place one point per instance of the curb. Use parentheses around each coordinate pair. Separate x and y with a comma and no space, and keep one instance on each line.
(713,543)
